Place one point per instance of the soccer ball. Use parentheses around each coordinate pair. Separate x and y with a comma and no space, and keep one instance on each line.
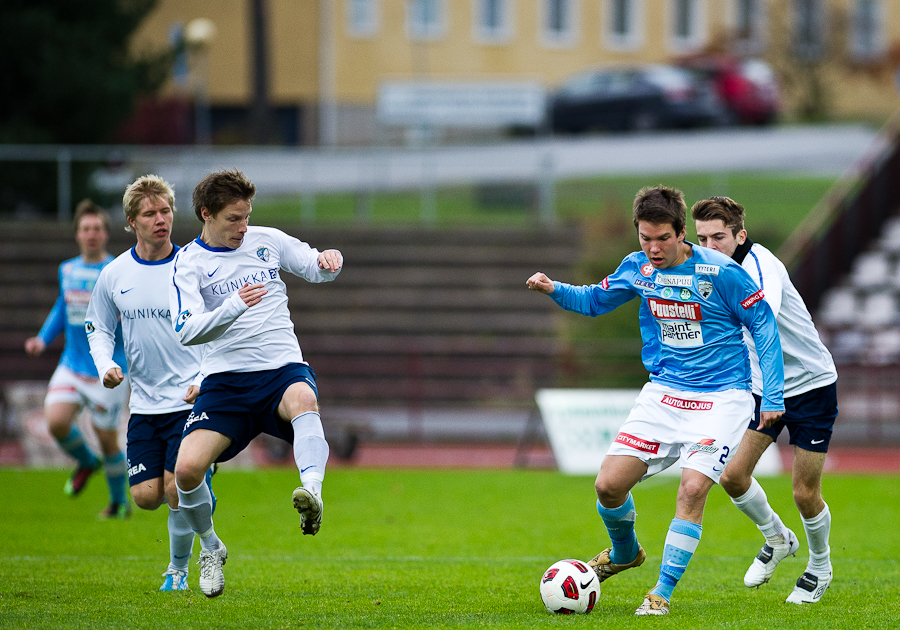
(570,586)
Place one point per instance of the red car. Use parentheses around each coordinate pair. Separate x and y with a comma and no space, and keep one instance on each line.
(747,87)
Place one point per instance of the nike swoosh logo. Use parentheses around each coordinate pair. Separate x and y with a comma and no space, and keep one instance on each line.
(210,275)
(716,469)
(676,566)
(586,584)
(183,557)
(127,290)
(816,441)
(303,470)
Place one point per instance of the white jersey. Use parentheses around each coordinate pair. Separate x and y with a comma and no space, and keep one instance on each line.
(207,309)
(160,368)
(808,364)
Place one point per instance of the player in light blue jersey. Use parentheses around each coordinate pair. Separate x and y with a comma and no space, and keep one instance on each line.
(811,409)
(227,294)
(75,384)
(694,303)
(164,375)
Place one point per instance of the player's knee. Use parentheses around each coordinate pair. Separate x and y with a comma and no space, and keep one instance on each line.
(189,473)
(146,498)
(806,497)
(610,493)
(733,483)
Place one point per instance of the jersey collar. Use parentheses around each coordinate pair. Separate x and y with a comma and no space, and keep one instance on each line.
(742,250)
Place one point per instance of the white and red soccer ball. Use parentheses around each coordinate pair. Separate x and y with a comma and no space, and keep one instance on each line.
(570,586)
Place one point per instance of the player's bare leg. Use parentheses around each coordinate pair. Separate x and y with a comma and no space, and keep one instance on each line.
(807,485)
(750,498)
(618,475)
(300,407)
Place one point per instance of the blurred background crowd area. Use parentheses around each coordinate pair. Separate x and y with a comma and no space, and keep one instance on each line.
(450,148)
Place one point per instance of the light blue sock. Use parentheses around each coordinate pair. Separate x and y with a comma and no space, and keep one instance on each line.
(620,525)
(181,541)
(75,446)
(681,543)
(114,468)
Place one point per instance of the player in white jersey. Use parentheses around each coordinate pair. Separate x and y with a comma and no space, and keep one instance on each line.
(811,408)
(164,375)
(227,293)
(696,406)
(75,384)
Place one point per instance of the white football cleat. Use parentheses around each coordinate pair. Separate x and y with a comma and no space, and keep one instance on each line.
(310,507)
(653,605)
(810,588)
(764,564)
(212,578)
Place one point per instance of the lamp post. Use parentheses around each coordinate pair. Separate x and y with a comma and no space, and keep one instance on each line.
(198,33)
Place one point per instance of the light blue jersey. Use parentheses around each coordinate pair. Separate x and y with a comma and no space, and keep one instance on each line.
(690,319)
(76,282)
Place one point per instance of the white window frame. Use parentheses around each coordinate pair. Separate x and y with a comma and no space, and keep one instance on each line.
(501,34)
(366,29)
(563,39)
(878,36)
(756,41)
(630,41)
(816,49)
(697,24)
(418,31)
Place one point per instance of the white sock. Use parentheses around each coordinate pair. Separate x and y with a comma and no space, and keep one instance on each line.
(818,529)
(196,508)
(310,450)
(755,504)
(181,541)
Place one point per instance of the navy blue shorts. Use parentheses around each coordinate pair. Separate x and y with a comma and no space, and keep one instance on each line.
(152,445)
(241,405)
(809,418)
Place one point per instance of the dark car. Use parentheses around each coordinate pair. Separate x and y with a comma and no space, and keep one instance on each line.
(634,98)
(747,87)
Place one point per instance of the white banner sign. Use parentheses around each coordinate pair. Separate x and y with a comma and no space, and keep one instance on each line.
(460,104)
(582,424)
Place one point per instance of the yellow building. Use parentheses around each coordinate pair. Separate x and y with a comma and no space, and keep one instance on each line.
(325,59)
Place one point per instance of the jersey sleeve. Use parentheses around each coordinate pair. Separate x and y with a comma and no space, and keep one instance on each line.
(768,278)
(100,324)
(56,320)
(595,299)
(754,312)
(302,260)
(192,322)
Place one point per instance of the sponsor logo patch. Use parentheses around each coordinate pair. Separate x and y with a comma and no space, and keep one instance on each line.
(703,446)
(664,309)
(685,294)
(705,288)
(88,327)
(647,270)
(753,299)
(637,443)
(644,283)
(707,270)
(690,405)
(262,253)
(183,316)
(674,280)
(136,469)
(605,283)
(195,418)
(681,334)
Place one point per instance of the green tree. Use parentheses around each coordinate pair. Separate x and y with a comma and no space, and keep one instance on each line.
(69,75)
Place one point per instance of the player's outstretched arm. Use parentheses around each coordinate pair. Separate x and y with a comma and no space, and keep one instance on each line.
(541,283)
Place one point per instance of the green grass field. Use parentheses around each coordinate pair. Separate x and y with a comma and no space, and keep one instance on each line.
(426,549)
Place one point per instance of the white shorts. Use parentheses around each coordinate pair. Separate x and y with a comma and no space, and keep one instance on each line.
(104,404)
(702,429)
